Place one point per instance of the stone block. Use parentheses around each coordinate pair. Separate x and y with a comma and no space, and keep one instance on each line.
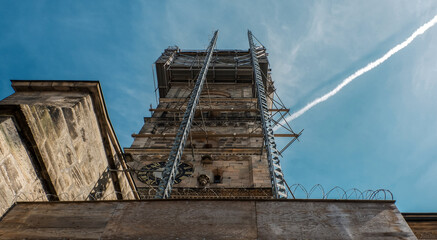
(17,177)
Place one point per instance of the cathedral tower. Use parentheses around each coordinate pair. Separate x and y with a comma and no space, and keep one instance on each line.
(210,137)
(224,155)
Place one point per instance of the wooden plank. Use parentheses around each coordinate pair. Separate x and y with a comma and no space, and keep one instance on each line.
(212,135)
(206,99)
(197,150)
(217,110)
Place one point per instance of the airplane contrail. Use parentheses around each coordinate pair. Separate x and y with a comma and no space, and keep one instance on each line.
(361,71)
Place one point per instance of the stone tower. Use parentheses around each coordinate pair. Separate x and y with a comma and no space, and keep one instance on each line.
(223,155)
(58,148)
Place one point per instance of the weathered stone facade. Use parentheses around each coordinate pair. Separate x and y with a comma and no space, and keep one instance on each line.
(225,146)
(56,144)
(18,180)
(207,219)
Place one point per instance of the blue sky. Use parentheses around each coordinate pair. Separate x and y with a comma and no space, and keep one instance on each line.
(378,132)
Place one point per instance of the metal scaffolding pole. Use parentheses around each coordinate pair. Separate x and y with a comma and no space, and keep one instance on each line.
(276,174)
(169,173)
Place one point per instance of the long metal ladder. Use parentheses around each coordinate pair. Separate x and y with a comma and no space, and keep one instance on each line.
(276,174)
(170,170)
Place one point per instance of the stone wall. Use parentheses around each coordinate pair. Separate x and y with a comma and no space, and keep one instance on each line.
(18,180)
(71,145)
(424,225)
(207,219)
(226,129)
(68,150)
(126,189)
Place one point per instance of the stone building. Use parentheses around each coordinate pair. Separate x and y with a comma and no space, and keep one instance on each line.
(64,175)
(223,156)
(57,144)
